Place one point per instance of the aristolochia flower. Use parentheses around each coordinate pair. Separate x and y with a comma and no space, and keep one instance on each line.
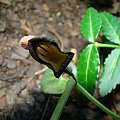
(47,51)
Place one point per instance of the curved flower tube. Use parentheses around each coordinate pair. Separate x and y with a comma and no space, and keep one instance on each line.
(46,51)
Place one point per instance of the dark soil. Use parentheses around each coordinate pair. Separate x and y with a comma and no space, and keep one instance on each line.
(20,93)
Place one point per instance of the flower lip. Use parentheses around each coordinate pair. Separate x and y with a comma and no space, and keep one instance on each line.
(31,43)
(49,54)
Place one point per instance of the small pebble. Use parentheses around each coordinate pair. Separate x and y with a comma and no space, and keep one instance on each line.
(45,7)
(3,91)
(2,26)
(58,14)
(1,59)
(11,97)
(19,53)
(24,93)
(50,19)
(11,64)
(60,24)
(30,100)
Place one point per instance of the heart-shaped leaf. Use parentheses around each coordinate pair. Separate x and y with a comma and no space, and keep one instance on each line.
(111,73)
(88,66)
(51,84)
(91,24)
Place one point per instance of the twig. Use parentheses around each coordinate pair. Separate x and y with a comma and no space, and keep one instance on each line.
(41,71)
(46,107)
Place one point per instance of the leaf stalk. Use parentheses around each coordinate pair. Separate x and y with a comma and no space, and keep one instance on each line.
(106,45)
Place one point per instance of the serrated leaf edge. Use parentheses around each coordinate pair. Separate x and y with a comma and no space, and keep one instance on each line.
(117,36)
(93,39)
(110,76)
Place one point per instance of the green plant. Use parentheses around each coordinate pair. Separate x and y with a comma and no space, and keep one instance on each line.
(90,27)
(41,49)
(89,61)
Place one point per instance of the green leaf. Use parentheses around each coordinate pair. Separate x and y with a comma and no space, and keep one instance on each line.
(110,27)
(91,24)
(88,67)
(51,84)
(111,73)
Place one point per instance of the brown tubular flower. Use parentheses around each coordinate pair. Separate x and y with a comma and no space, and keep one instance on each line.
(47,51)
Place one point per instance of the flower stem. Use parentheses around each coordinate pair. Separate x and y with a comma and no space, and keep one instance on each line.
(92,99)
(96,102)
(63,99)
